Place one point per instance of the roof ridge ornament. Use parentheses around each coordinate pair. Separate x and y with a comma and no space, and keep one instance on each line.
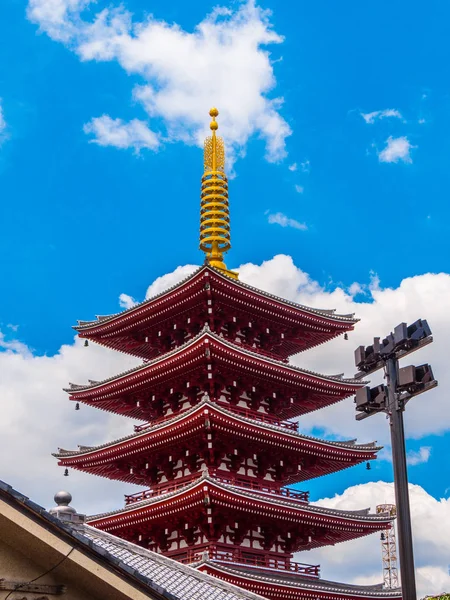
(215,238)
(63,511)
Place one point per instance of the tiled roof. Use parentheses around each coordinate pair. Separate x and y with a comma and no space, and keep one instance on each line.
(160,574)
(297,581)
(180,580)
(206,331)
(351,445)
(328,313)
(165,576)
(358,515)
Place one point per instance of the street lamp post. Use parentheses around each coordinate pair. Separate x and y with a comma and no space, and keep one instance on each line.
(401,385)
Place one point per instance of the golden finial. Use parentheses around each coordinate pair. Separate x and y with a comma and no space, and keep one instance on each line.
(214,212)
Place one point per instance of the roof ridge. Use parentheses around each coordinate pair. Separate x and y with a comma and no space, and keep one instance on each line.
(311,508)
(320,311)
(90,539)
(206,401)
(76,387)
(103,318)
(221,339)
(330,313)
(135,434)
(331,511)
(147,501)
(93,532)
(315,583)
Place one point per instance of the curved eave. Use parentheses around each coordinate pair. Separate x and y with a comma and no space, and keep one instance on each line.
(126,381)
(298,584)
(105,324)
(130,314)
(315,515)
(335,455)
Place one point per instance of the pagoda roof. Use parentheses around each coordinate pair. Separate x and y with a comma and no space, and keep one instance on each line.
(95,459)
(178,298)
(358,522)
(154,575)
(329,314)
(103,392)
(161,576)
(295,582)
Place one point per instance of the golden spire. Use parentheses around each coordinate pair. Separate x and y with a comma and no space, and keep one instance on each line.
(214,212)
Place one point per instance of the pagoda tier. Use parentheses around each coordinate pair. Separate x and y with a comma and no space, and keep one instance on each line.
(279,580)
(209,515)
(228,372)
(234,446)
(239,312)
(216,392)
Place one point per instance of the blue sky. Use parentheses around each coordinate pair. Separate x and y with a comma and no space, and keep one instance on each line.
(337,120)
(76,234)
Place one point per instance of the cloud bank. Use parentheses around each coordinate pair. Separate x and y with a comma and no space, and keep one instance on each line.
(431,531)
(37,418)
(223,61)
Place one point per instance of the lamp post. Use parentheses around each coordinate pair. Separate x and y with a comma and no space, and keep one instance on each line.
(402,384)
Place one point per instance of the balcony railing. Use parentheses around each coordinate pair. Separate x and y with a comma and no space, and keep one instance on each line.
(244,412)
(244,557)
(138,428)
(259,486)
(163,488)
(259,416)
(239,481)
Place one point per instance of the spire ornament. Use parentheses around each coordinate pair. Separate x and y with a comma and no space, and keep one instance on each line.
(215,237)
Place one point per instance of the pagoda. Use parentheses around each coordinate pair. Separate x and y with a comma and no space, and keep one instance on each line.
(217,447)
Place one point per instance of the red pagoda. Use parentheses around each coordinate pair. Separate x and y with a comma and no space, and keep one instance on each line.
(218,447)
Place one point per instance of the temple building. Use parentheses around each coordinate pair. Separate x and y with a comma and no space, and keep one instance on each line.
(217,449)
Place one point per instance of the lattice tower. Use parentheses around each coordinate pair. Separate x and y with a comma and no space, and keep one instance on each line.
(389,549)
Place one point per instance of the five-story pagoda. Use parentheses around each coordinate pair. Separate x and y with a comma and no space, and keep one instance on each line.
(218,446)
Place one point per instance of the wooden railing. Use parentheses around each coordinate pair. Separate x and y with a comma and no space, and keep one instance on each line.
(259,486)
(244,557)
(259,416)
(239,481)
(163,488)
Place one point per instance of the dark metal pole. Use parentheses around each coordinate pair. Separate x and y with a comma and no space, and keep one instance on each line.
(401,484)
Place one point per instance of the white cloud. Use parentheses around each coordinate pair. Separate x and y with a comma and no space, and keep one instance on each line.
(32,380)
(114,132)
(30,388)
(305,166)
(126,301)
(381,114)
(396,149)
(223,62)
(293,167)
(59,18)
(431,531)
(281,219)
(419,457)
(169,279)
(299,189)
(37,418)
(355,288)
(383,309)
